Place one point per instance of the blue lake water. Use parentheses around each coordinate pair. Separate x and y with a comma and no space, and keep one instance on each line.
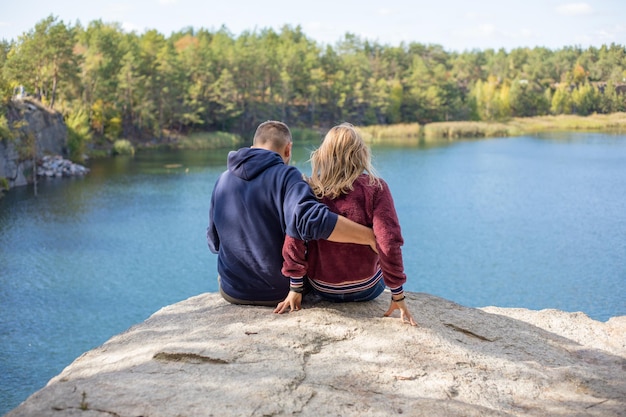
(534,222)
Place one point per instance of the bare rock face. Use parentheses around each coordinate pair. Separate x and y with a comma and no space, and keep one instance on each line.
(45,126)
(205,357)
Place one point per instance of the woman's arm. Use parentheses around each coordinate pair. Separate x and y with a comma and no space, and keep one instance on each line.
(295,266)
(389,239)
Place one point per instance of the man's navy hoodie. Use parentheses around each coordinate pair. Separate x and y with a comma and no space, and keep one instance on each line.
(254,204)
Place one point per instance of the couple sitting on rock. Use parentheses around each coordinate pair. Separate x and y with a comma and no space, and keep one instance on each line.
(338,229)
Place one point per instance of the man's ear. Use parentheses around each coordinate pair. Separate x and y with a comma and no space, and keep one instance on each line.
(287,151)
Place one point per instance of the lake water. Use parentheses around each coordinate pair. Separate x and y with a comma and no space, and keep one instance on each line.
(534,222)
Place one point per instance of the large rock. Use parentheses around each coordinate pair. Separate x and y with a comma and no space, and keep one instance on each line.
(44,125)
(205,357)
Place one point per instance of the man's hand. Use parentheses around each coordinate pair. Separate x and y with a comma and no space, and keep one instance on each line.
(373,246)
(405,315)
(292,302)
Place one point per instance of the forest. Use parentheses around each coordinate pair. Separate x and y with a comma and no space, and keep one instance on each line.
(110,84)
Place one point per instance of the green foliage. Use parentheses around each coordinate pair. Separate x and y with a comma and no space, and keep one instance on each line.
(491,99)
(561,100)
(43,59)
(78,134)
(113,128)
(5,87)
(527,99)
(145,85)
(585,99)
(27,146)
(609,101)
(5,131)
(123,147)
(300,134)
(4,184)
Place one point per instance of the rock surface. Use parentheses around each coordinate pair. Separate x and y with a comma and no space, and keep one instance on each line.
(44,125)
(56,166)
(205,357)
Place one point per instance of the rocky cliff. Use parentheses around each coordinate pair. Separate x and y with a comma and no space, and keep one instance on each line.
(45,126)
(205,357)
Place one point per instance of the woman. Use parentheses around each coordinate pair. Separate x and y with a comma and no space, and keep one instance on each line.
(343,178)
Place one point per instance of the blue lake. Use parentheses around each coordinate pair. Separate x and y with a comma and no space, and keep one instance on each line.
(533,222)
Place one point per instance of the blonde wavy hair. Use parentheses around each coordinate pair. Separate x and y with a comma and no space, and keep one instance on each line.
(339,161)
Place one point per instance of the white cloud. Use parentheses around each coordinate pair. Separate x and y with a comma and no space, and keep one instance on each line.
(384,12)
(574,9)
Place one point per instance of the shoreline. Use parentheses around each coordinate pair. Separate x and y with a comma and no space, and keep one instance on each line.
(431,132)
(403,133)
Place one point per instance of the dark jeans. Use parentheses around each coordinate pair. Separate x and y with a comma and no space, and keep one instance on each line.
(233,300)
(365,295)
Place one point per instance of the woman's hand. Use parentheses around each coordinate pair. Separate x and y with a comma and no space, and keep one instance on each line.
(292,302)
(405,314)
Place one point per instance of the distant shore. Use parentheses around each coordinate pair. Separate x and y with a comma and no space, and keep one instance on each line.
(414,132)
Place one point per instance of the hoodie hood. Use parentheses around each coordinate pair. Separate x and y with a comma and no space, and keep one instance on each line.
(247,163)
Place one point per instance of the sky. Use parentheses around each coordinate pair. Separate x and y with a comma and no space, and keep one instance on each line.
(456,25)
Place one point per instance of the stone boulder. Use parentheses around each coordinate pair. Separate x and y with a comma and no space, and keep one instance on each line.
(205,357)
(56,166)
(44,125)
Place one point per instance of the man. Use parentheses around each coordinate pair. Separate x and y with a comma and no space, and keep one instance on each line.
(258,200)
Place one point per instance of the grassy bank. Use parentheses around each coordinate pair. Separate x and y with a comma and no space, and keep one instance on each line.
(398,133)
(208,140)
(414,133)
(615,122)
(403,133)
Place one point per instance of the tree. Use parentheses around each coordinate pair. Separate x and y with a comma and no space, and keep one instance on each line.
(42,58)
(527,99)
(141,85)
(171,84)
(128,89)
(585,99)
(5,86)
(102,49)
(491,99)
(609,100)
(78,134)
(147,86)
(579,75)
(561,100)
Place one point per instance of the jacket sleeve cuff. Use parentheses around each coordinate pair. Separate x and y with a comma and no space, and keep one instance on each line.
(296,284)
(397,291)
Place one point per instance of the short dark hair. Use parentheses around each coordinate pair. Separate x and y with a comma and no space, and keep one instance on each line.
(272,132)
